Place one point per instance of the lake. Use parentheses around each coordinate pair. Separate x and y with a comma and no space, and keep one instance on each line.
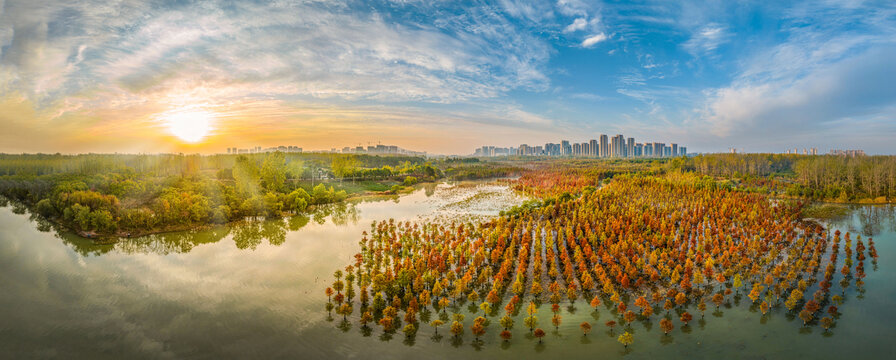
(255,290)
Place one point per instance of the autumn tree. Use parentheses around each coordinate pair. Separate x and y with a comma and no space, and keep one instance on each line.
(586,327)
(478,327)
(435,324)
(610,324)
(626,339)
(539,333)
(686,317)
(666,326)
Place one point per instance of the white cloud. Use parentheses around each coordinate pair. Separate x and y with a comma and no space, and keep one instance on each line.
(593,40)
(248,50)
(577,24)
(832,98)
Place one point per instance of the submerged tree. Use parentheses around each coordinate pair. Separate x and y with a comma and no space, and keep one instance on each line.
(626,339)
(556,320)
(610,324)
(478,327)
(457,328)
(718,299)
(666,326)
(826,323)
(507,322)
(763,307)
(506,335)
(586,327)
(539,333)
(686,317)
(409,330)
(436,323)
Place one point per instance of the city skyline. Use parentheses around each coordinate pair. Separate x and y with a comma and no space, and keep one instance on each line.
(443,77)
(616,147)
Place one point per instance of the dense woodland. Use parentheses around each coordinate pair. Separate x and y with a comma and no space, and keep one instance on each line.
(825,177)
(115,194)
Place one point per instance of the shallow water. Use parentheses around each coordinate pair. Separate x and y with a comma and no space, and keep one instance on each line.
(256,291)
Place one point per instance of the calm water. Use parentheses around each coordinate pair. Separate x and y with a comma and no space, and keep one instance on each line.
(256,291)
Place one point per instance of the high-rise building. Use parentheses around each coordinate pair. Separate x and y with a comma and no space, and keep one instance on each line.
(604,146)
(630,147)
(595,150)
(614,146)
(658,149)
(617,146)
(565,149)
(674,149)
(682,151)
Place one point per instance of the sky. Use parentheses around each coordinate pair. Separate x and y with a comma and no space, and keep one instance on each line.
(445,76)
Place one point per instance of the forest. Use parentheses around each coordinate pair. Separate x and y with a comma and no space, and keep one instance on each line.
(98,194)
(832,178)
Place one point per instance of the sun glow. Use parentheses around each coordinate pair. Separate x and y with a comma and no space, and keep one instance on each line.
(190,126)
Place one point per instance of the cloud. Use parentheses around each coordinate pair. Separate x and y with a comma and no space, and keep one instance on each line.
(593,40)
(833,100)
(588,96)
(311,49)
(831,78)
(572,7)
(707,39)
(577,24)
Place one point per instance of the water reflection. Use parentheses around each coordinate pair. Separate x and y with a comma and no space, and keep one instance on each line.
(266,300)
(874,219)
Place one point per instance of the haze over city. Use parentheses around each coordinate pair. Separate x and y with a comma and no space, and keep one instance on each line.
(445,77)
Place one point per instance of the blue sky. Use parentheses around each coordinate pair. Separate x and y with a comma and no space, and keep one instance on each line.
(447,76)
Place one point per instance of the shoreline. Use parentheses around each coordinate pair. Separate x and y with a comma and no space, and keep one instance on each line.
(104,238)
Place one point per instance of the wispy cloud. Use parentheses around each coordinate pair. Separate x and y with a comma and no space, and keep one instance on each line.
(831,75)
(593,40)
(707,39)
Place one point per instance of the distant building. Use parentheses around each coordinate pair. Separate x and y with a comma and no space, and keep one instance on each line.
(617,146)
(604,146)
(658,149)
(850,153)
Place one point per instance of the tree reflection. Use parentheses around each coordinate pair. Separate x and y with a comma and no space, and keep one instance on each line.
(247,234)
(872,219)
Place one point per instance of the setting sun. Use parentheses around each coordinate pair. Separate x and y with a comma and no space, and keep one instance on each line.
(189,126)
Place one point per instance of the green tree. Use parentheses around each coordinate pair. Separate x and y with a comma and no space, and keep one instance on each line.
(45,207)
(273,172)
(345,166)
(103,221)
(273,204)
(296,201)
